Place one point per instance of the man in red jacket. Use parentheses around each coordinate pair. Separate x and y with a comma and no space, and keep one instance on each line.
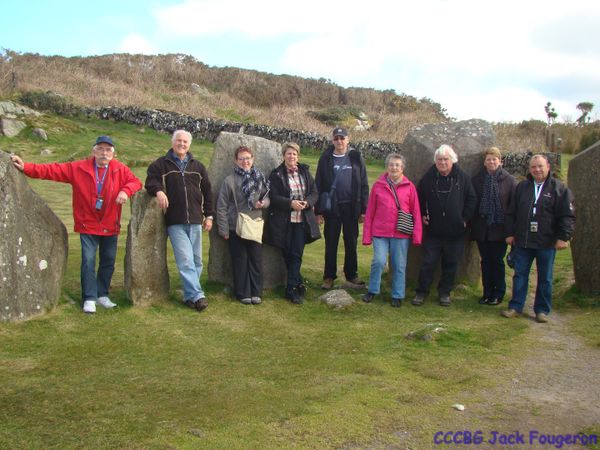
(101,185)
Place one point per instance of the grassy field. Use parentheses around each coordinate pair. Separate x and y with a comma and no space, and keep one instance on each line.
(265,377)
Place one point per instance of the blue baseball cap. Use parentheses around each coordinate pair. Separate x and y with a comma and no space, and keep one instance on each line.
(104,139)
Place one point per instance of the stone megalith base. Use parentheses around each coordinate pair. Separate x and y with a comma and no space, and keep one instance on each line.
(267,156)
(585,184)
(146,272)
(469,139)
(33,248)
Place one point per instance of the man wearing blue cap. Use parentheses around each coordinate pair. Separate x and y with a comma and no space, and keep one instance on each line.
(101,185)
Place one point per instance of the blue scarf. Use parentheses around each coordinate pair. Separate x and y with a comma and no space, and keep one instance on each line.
(253,182)
(490,206)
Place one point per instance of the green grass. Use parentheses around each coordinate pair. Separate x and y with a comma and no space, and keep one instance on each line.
(270,376)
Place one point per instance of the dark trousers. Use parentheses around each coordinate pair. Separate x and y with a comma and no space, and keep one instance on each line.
(450,250)
(493,269)
(334,225)
(294,249)
(246,265)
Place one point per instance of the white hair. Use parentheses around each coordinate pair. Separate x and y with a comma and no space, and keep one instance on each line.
(178,132)
(446,150)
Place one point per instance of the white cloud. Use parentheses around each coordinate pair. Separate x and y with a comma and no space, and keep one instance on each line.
(499,61)
(135,43)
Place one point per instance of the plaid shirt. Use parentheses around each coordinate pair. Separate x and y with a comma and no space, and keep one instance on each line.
(297,192)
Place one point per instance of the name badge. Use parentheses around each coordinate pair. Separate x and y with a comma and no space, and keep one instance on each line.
(533,227)
(99,202)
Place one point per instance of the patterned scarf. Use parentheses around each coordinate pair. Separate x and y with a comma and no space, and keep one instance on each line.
(253,182)
(490,206)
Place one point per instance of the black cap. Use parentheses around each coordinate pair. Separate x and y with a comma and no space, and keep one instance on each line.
(104,139)
(339,131)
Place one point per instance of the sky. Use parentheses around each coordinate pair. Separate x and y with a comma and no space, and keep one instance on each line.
(498,61)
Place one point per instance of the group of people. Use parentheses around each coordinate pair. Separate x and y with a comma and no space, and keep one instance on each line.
(535,217)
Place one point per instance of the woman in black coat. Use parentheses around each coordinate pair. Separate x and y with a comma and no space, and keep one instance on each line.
(291,221)
(495,188)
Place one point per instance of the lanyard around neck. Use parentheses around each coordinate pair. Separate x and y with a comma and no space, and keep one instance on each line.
(99,183)
(537,191)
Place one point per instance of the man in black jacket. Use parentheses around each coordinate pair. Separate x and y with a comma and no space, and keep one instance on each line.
(182,189)
(447,200)
(345,165)
(539,221)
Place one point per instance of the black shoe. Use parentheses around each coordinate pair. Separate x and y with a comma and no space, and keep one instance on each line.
(368,297)
(301,289)
(494,301)
(396,302)
(484,300)
(292,294)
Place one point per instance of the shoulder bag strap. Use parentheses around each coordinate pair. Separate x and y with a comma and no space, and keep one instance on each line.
(392,187)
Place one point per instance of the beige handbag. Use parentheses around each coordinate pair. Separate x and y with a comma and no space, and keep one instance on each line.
(245,226)
(248,228)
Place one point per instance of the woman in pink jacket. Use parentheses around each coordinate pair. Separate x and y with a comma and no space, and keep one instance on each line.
(381,227)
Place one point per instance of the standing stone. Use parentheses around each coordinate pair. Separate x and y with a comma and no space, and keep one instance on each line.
(469,139)
(146,272)
(585,184)
(33,248)
(267,156)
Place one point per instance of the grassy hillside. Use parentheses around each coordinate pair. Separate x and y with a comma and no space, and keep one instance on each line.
(183,84)
(271,376)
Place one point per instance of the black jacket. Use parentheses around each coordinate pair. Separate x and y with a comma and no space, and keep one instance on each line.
(480,230)
(448,221)
(278,217)
(360,184)
(190,195)
(555,214)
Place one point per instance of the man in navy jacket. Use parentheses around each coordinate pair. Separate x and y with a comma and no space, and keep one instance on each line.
(539,221)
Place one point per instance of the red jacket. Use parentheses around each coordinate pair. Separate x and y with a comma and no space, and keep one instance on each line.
(81,176)
(382,213)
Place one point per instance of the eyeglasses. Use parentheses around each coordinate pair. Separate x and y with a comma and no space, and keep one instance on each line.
(104,149)
(339,138)
(245,159)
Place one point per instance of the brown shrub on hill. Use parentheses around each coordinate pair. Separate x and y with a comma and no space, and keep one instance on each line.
(183,84)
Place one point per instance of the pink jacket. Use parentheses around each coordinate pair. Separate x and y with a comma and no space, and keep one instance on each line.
(381,215)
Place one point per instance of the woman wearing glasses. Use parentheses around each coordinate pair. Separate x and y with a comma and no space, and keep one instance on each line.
(243,191)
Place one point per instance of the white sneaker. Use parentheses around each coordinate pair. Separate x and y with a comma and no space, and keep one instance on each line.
(105,301)
(89,306)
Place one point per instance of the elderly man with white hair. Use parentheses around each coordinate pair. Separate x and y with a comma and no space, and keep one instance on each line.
(447,200)
(183,191)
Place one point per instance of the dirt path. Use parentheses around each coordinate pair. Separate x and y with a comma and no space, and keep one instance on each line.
(554,391)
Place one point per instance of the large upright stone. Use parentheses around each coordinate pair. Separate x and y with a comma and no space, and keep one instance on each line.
(469,139)
(33,248)
(585,184)
(146,272)
(267,156)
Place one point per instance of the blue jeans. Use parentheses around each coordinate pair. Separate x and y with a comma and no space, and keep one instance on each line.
(94,285)
(186,240)
(544,261)
(397,249)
